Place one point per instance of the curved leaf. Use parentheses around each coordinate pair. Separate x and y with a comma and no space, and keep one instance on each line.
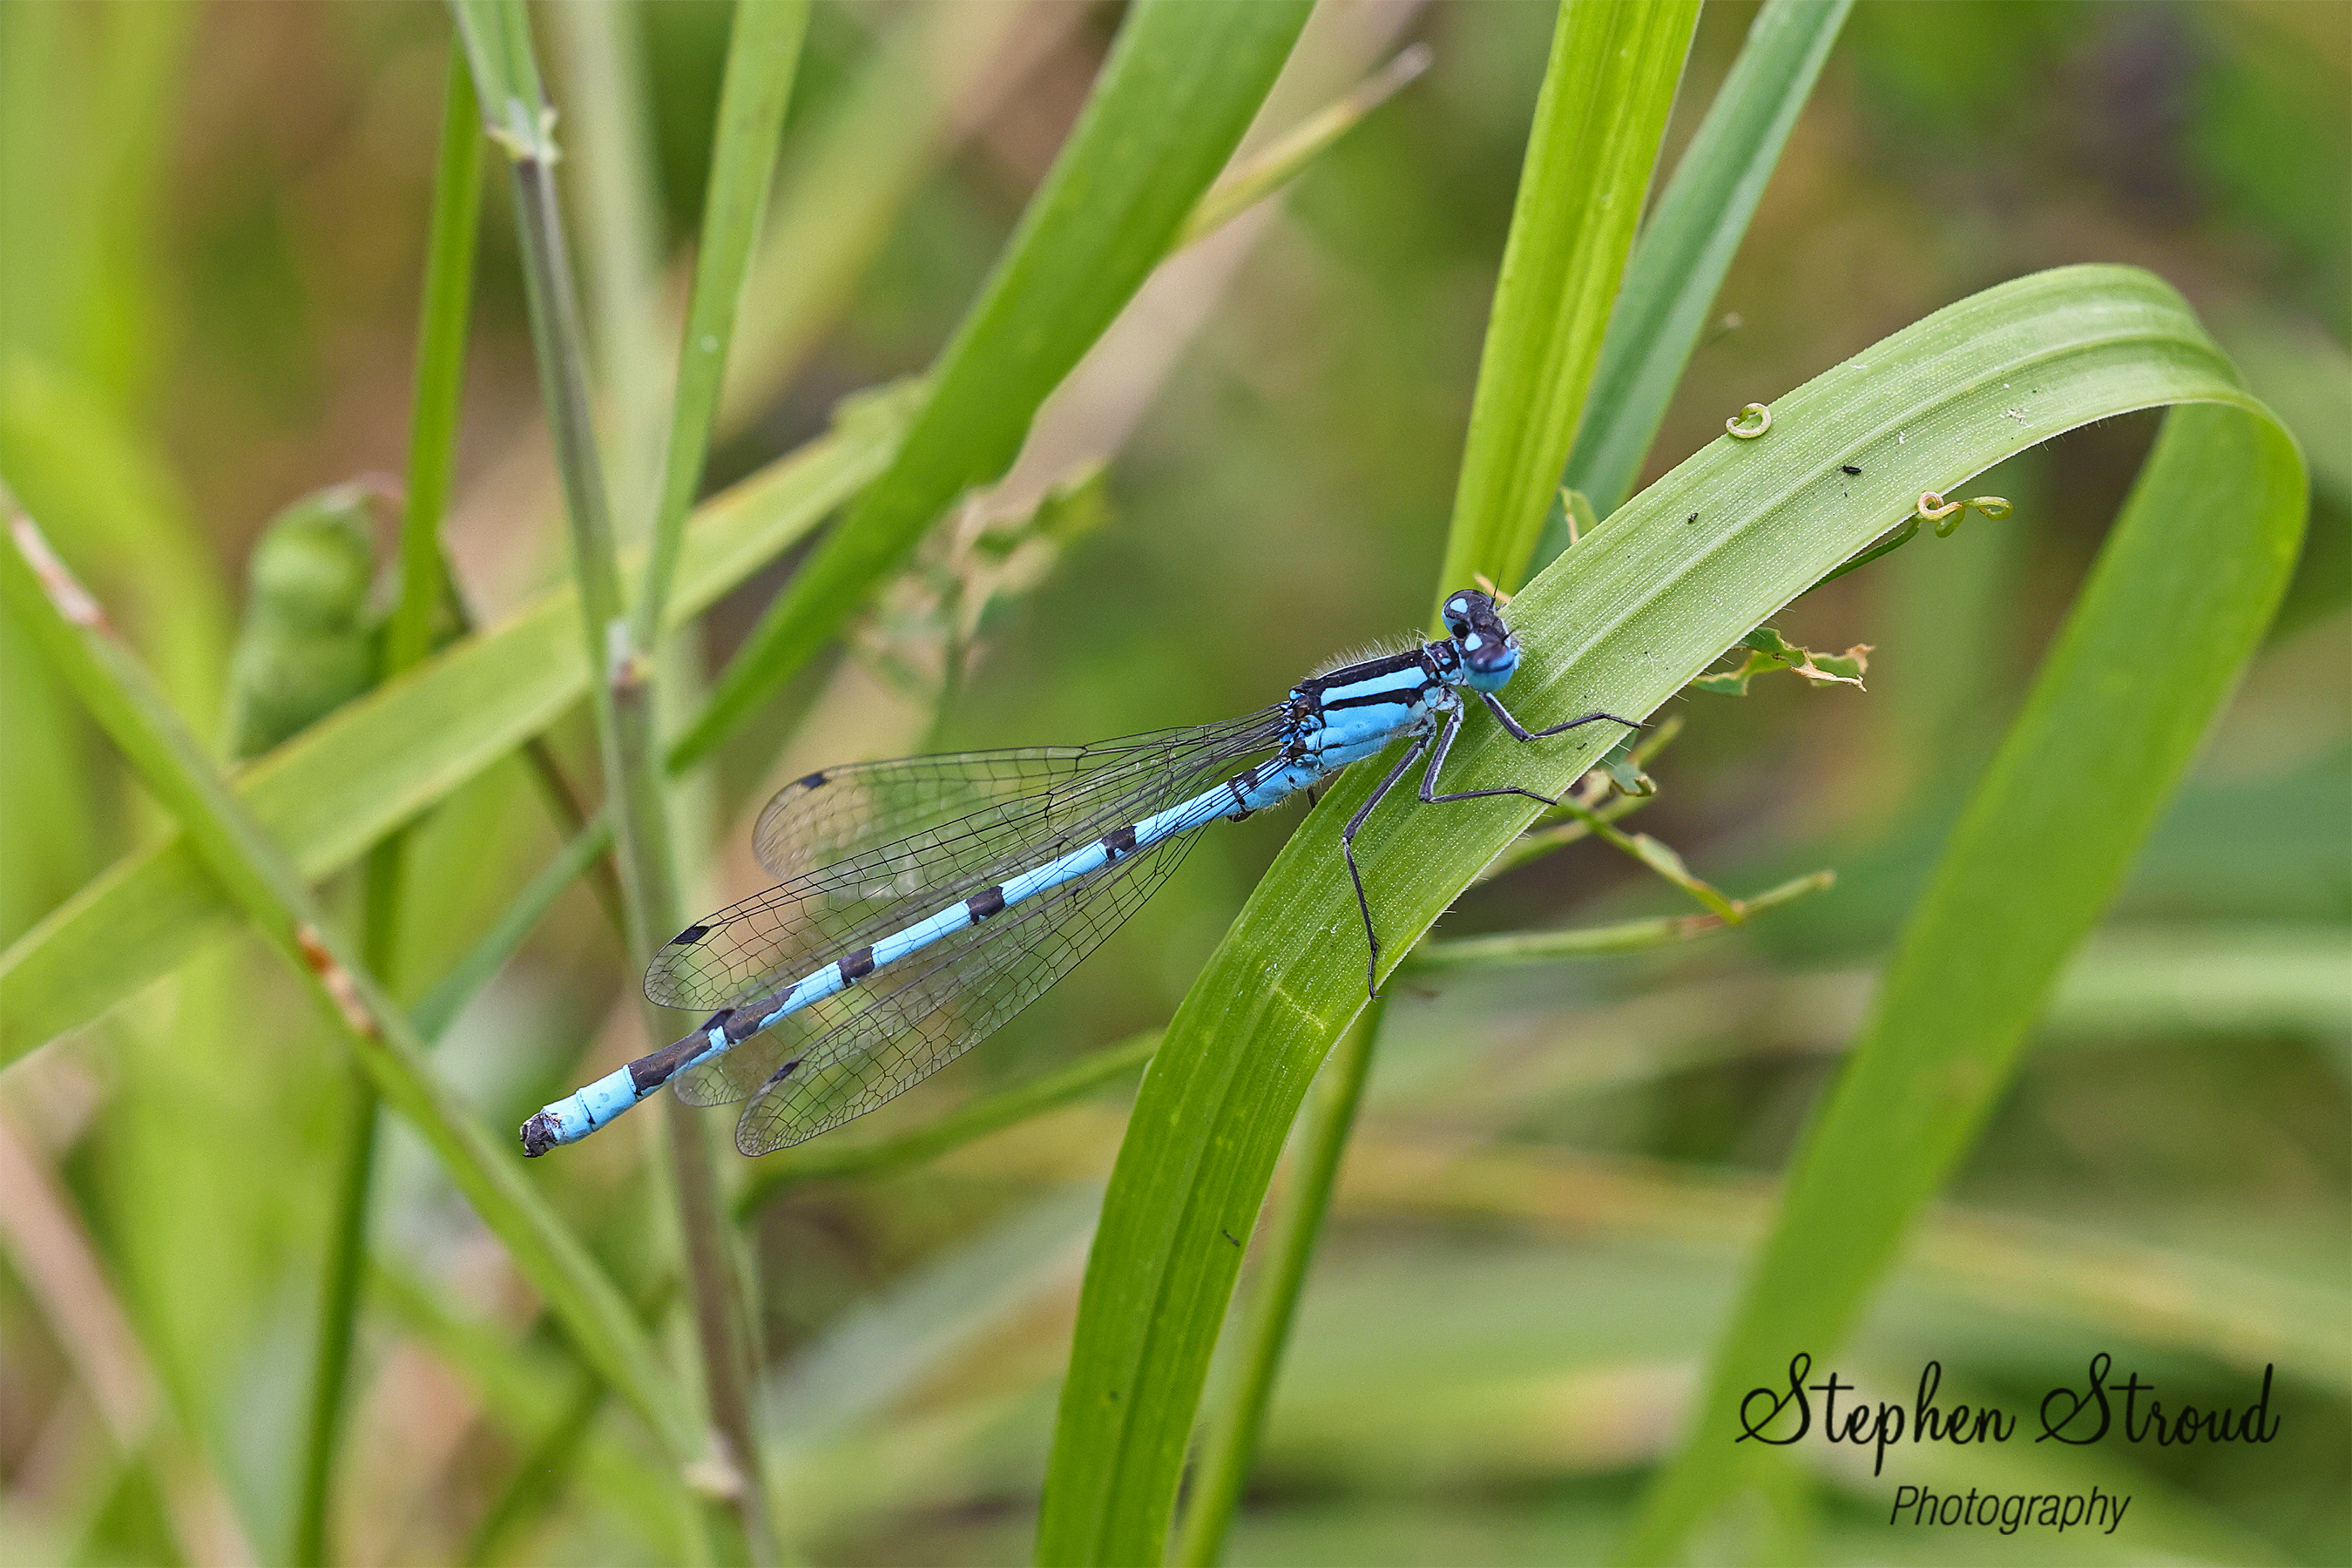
(1622,621)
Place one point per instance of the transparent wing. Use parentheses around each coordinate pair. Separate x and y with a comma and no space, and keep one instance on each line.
(868,849)
(855,1050)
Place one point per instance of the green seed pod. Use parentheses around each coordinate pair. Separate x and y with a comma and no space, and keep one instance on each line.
(306,645)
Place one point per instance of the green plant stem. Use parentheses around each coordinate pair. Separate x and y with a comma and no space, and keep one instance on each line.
(440,1006)
(73,633)
(1253,179)
(831,1158)
(1626,936)
(1235,1423)
(622,699)
(338,1325)
(432,448)
(440,371)
(762,56)
(1658,857)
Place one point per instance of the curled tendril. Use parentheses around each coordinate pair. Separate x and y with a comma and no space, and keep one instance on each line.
(1947,515)
(1740,429)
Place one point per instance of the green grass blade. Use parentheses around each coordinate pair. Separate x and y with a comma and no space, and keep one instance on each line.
(1229,1445)
(1178,91)
(497,38)
(407,637)
(613,196)
(1254,178)
(1606,93)
(1687,247)
(332,791)
(933,73)
(440,372)
(762,56)
(1620,622)
(440,1006)
(237,850)
(2175,606)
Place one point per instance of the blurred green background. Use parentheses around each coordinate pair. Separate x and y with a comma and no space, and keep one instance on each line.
(214,218)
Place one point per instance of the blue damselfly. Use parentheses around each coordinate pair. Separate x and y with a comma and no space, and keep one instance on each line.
(922,902)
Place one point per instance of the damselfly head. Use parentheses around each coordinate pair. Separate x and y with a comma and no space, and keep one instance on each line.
(1489,651)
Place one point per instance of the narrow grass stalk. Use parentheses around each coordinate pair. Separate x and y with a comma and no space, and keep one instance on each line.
(763,56)
(1626,936)
(431,448)
(1283,160)
(621,691)
(597,50)
(1606,94)
(439,1007)
(72,632)
(826,1160)
(1236,1421)
(1684,253)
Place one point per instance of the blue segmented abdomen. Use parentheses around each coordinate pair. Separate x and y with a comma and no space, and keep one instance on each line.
(569,1120)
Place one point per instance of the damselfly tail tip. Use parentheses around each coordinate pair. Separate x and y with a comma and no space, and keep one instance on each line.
(539,1134)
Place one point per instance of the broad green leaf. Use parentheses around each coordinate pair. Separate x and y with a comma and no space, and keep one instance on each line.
(2175,606)
(333,790)
(1174,98)
(1622,622)
(1606,93)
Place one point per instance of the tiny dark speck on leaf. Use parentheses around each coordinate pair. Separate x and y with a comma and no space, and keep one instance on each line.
(1691,518)
(1849,468)
(1230,1237)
